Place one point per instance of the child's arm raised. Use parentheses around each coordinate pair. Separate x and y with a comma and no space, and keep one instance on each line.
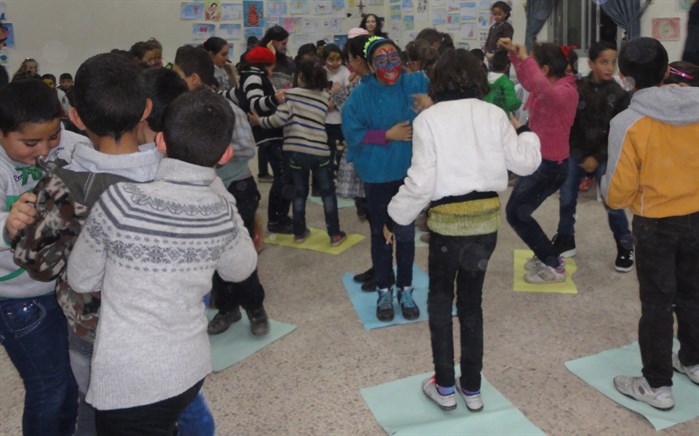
(528,71)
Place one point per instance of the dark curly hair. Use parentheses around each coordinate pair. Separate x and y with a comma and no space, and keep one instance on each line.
(457,74)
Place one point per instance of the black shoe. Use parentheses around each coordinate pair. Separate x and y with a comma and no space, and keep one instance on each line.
(384,306)
(624,258)
(371,285)
(222,321)
(283,228)
(564,245)
(259,324)
(365,276)
(407,305)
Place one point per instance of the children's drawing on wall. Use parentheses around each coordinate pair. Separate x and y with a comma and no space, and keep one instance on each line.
(257,32)
(291,24)
(485,21)
(409,22)
(340,40)
(685,5)
(465,45)
(468,11)
(484,5)
(666,29)
(298,7)
(395,13)
(231,11)
(422,5)
(2,11)
(454,21)
(338,5)
(439,16)
(230,31)
(203,31)
(468,31)
(7,32)
(375,2)
(309,25)
(212,11)
(191,11)
(276,9)
(4,57)
(322,7)
(253,13)
(408,5)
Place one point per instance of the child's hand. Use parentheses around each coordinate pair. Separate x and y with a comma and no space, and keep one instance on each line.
(400,132)
(270,45)
(254,118)
(21,214)
(505,44)
(279,96)
(337,87)
(515,122)
(421,102)
(387,235)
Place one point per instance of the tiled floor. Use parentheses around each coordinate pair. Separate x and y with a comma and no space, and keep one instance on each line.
(308,382)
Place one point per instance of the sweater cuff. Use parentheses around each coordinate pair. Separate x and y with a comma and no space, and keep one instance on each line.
(375,137)
(523,128)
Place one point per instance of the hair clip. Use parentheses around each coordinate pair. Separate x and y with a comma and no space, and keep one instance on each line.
(680,73)
(368,44)
(566,49)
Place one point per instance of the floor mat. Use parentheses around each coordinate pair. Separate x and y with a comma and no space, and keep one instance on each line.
(567,287)
(318,241)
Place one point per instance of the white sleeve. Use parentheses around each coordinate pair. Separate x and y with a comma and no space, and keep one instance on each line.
(87,260)
(522,152)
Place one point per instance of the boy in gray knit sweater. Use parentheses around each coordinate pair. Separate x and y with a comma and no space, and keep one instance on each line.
(152,248)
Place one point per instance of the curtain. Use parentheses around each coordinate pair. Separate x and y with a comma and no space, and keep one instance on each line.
(537,13)
(626,14)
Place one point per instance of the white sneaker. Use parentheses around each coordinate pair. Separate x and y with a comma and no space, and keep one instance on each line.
(691,371)
(638,388)
(445,402)
(533,264)
(474,402)
(545,274)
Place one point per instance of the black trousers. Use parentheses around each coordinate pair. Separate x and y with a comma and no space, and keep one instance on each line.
(464,260)
(151,419)
(667,265)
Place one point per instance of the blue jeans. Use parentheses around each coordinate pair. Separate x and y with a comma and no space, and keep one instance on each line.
(35,335)
(618,223)
(378,195)
(196,419)
(527,195)
(301,165)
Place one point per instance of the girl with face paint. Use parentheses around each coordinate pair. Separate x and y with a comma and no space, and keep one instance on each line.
(376,123)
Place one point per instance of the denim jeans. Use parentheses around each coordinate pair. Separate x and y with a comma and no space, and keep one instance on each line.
(150,419)
(35,335)
(302,165)
(463,259)
(378,195)
(667,265)
(527,195)
(281,192)
(80,352)
(249,293)
(618,223)
(196,419)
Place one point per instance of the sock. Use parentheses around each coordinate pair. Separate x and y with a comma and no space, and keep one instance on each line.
(470,393)
(445,390)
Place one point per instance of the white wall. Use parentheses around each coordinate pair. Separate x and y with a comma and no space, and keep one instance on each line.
(60,34)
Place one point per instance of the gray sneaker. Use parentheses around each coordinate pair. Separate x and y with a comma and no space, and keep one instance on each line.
(638,388)
(445,402)
(690,371)
(532,264)
(473,400)
(545,274)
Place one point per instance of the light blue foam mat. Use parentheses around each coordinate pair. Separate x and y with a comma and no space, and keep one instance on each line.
(600,369)
(401,408)
(237,343)
(341,202)
(365,302)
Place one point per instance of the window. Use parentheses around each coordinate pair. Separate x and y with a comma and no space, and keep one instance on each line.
(580,22)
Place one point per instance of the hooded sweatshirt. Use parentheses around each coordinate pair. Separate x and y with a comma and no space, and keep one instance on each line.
(653,166)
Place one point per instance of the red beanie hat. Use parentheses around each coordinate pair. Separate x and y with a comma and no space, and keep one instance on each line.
(260,55)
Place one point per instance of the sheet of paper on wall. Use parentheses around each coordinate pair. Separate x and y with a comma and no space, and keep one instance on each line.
(253,13)
(291,24)
(192,11)
(231,11)
(408,5)
(468,31)
(439,16)
(273,21)
(309,25)
(454,21)
(298,7)
(229,31)
(276,9)
(469,11)
(212,10)
(323,7)
(409,22)
(203,31)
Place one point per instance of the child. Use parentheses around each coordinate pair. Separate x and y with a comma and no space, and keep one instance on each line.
(338,75)
(601,99)
(193,64)
(66,195)
(551,106)
(462,149)
(421,56)
(306,147)
(652,170)
(501,28)
(152,248)
(502,90)
(376,124)
(255,93)
(32,325)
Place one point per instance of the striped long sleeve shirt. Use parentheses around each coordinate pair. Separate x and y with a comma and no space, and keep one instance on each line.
(303,116)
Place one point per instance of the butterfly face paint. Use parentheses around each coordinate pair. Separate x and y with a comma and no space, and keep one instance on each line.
(386,63)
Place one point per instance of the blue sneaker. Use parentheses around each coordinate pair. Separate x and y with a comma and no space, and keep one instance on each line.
(384,305)
(407,304)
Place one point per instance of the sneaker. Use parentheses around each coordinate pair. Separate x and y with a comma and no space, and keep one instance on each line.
(445,402)
(691,371)
(259,323)
(338,239)
(365,276)
(564,245)
(283,228)
(546,274)
(586,184)
(301,238)
(407,304)
(532,264)
(222,321)
(624,258)
(384,305)
(637,388)
(473,400)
